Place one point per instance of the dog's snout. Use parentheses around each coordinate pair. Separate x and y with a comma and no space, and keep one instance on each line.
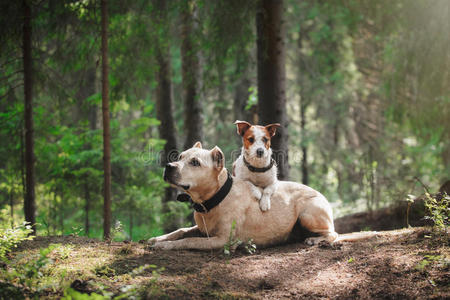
(170,168)
(260,152)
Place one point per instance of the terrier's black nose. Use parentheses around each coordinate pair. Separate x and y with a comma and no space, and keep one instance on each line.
(259,152)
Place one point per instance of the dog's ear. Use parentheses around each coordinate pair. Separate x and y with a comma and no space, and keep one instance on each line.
(272,128)
(242,127)
(217,158)
(197,145)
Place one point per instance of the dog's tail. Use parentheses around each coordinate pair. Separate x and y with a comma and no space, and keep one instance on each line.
(355,236)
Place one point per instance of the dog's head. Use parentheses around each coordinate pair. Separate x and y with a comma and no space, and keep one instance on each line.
(256,140)
(197,170)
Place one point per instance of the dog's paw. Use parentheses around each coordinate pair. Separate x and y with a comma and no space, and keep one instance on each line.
(311,241)
(151,241)
(257,192)
(162,246)
(264,204)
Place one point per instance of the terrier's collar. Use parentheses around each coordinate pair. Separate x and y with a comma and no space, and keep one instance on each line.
(212,202)
(258,170)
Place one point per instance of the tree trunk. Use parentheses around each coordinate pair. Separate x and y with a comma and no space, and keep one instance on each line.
(11,204)
(30,201)
(87,196)
(106,130)
(164,109)
(61,211)
(89,112)
(241,95)
(220,106)
(303,105)
(131,224)
(305,175)
(272,77)
(193,120)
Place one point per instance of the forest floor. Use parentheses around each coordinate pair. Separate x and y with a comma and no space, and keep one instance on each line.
(410,263)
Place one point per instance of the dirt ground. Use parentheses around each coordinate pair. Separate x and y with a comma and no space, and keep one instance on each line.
(400,264)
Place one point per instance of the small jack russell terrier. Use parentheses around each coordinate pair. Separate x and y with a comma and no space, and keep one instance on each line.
(255,164)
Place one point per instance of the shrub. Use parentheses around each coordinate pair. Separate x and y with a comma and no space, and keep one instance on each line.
(11,237)
(438,209)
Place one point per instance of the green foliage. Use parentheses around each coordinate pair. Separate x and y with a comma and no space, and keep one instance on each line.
(10,238)
(374,94)
(29,273)
(105,271)
(430,260)
(71,294)
(152,290)
(233,243)
(252,98)
(438,210)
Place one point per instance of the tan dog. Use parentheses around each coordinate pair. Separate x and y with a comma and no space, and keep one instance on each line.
(255,163)
(202,175)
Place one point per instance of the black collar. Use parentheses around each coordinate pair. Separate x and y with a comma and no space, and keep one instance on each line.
(258,170)
(212,202)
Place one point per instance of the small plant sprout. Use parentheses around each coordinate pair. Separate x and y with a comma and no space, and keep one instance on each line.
(234,242)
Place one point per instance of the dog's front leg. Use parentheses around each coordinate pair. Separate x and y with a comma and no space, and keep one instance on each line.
(175,235)
(192,243)
(268,191)
(256,191)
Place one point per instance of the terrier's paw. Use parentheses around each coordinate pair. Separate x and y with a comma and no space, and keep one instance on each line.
(257,192)
(264,203)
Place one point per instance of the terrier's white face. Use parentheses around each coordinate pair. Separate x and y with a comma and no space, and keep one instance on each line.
(256,141)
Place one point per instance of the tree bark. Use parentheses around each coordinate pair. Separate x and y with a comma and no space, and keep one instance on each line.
(272,78)
(30,201)
(131,224)
(303,106)
(106,129)
(305,174)
(89,112)
(164,108)
(11,204)
(193,120)
(241,95)
(87,196)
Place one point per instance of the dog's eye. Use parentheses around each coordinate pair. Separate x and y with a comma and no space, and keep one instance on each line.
(180,157)
(194,163)
(251,140)
(265,140)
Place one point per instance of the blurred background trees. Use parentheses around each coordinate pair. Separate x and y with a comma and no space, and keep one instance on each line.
(365,101)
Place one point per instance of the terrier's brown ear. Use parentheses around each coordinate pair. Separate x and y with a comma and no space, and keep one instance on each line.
(242,127)
(272,128)
(197,145)
(217,158)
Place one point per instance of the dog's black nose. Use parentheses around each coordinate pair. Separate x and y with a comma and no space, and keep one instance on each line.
(169,167)
(169,171)
(260,152)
